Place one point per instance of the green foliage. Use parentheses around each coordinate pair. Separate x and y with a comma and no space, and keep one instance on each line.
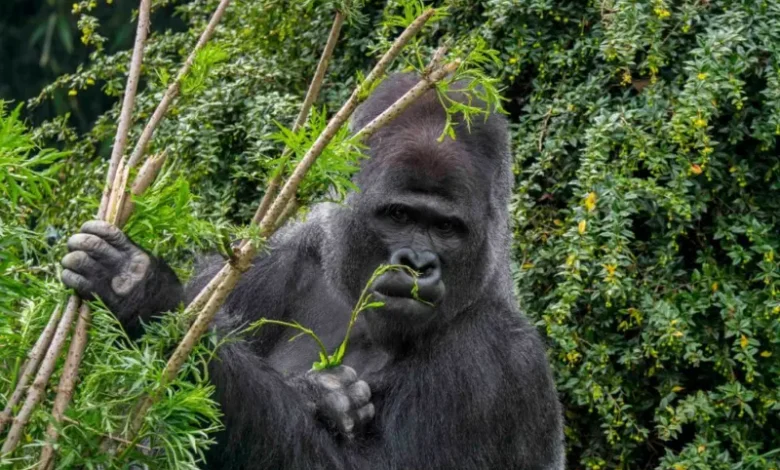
(645,212)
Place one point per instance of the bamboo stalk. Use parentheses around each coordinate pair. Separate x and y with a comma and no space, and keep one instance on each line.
(33,361)
(303,114)
(36,391)
(233,271)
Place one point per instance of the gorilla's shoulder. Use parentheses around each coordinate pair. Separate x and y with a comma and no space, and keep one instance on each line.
(305,237)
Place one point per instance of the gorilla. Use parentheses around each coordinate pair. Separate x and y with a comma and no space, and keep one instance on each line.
(453,377)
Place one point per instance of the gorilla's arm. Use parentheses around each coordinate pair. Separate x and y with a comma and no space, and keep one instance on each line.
(268,423)
(283,422)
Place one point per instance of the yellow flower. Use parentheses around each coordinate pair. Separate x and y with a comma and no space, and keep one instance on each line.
(701,76)
(610,268)
(590,201)
(766,354)
(528,265)
(695,169)
(714,287)
(743,341)
(677,389)
(582,226)
(699,123)
(72,92)
(90,81)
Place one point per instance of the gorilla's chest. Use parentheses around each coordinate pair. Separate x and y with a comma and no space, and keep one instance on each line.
(329,320)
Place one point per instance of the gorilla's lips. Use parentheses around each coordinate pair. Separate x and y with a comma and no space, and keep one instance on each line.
(395,289)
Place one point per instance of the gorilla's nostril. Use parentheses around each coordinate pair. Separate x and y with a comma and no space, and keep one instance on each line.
(426,263)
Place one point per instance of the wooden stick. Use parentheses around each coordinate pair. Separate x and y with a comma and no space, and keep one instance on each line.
(128,102)
(146,176)
(303,115)
(67,384)
(33,361)
(173,90)
(407,99)
(36,391)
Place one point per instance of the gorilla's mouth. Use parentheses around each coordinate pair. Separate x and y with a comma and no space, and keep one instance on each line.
(396,290)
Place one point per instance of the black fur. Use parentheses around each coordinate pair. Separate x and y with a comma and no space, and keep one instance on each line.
(462,385)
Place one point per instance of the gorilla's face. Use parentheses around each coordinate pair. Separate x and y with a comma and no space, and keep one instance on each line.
(438,207)
(422,204)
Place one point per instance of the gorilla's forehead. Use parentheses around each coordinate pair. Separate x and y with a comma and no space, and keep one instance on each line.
(413,159)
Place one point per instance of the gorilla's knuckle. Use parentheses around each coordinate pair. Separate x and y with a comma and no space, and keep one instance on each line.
(328,381)
(366,413)
(337,402)
(360,392)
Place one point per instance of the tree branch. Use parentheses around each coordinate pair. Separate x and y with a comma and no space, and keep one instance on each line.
(128,102)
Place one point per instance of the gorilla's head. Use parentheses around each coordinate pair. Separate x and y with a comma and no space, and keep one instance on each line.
(437,207)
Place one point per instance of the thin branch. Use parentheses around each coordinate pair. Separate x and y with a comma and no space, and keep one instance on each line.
(146,176)
(36,391)
(289,211)
(173,90)
(128,102)
(303,115)
(407,99)
(67,383)
(33,361)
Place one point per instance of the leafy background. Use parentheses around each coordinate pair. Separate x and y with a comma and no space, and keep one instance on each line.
(646,208)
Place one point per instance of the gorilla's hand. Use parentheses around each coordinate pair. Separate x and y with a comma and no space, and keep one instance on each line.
(337,397)
(103,262)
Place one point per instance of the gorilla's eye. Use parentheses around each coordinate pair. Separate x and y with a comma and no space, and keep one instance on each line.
(398,214)
(445,226)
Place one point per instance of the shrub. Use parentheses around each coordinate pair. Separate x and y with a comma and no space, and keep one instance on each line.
(646,213)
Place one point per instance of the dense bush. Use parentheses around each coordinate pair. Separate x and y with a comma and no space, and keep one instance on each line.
(646,210)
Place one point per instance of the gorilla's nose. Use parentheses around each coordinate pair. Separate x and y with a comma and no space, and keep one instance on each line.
(426,263)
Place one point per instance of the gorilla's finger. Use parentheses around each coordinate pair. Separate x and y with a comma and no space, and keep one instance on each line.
(78,283)
(107,232)
(328,381)
(345,374)
(80,262)
(95,247)
(336,403)
(366,413)
(359,392)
